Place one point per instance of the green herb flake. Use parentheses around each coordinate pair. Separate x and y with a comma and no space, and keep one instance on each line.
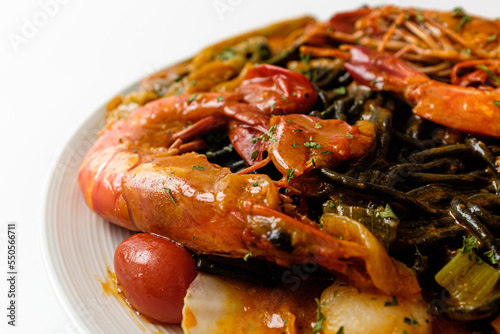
(199,167)
(286,321)
(254,154)
(349,135)
(169,194)
(490,255)
(326,152)
(305,58)
(272,130)
(341,330)
(298,130)
(220,98)
(247,256)
(273,106)
(411,320)
(294,94)
(194,237)
(335,293)
(469,246)
(496,102)
(394,302)
(491,38)
(457,11)
(388,213)
(289,174)
(463,20)
(228,54)
(420,18)
(284,98)
(193,83)
(228,148)
(467,51)
(191,98)
(492,75)
(313,162)
(294,145)
(312,144)
(134,150)
(255,184)
(288,120)
(317,125)
(340,90)
(320,319)
(418,252)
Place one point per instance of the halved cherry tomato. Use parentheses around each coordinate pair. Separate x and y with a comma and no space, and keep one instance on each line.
(154,274)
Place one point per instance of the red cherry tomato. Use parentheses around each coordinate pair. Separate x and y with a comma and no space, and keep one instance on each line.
(154,274)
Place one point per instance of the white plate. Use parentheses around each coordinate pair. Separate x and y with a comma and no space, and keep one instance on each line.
(78,247)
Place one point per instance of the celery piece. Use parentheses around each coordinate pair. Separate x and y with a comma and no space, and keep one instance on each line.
(468,282)
(376,220)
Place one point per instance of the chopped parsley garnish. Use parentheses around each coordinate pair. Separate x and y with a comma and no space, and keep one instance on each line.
(227,54)
(341,330)
(340,90)
(317,125)
(469,246)
(220,98)
(228,148)
(467,51)
(294,145)
(463,20)
(491,257)
(294,94)
(491,38)
(410,321)
(298,130)
(194,237)
(313,162)
(255,184)
(289,174)
(169,194)
(492,75)
(247,256)
(272,130)
(388,213)
(134,150)
(312,144)
(273,106)
(335,293)
(457,11)
(191,98)
(496,102)
(394,302)
(199,167)
(320,319)
(305,58)
(349,135)
(326,152)
(254,154)
(284,98)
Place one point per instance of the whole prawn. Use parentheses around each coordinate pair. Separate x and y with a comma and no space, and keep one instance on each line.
(137,176)
(467,109)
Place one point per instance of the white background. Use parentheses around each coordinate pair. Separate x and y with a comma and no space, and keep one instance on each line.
(54,76)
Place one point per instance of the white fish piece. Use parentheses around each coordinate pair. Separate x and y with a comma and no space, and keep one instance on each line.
(219,305)
(369,313)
